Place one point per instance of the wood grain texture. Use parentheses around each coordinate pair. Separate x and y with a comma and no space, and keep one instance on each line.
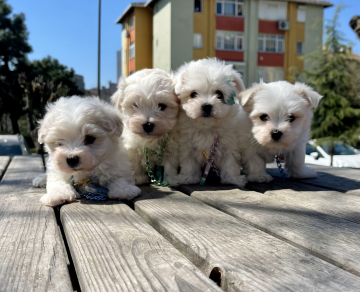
(4,161)
(113,249)
(31,254)
(333,239)
(343,205)
(340,179)
(249,259)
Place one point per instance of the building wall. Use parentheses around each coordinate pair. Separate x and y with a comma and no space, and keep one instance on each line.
(313,31)
(182,32)
(292,36)
(143,38)
(251,41)
(124,51)
(162,35)
(118,63)
(205,23)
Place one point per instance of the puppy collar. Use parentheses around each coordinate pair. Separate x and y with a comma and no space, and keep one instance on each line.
(232,95)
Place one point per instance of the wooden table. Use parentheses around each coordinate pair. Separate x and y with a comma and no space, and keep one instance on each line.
(286,235)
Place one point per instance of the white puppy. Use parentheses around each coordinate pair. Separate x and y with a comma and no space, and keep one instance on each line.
(206,89)
(276,121)
(81,136)
(150,107)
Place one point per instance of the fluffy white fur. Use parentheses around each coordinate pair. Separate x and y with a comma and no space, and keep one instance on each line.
(142,98)
(89,130)
(201,83)
(277,103)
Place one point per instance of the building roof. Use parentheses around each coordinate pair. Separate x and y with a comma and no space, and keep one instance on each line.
(314,2)
(129,9)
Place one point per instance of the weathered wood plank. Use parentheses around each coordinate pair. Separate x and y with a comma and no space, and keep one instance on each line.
(249,259)
(4,161)
(31,254)
(333,239)
(345,180)
(113,249)
(343,205)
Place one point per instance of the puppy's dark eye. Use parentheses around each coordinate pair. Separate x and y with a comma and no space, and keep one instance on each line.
(219,94)
(89,140)
(193,94)
(135,105)
(162,106)
(264,117)
(291,118)
(59,144)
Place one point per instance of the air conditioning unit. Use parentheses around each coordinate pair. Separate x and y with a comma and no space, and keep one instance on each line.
(128,34)
(283,25)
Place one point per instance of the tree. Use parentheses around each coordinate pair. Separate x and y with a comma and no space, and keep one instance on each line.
(333,77)
(13,50)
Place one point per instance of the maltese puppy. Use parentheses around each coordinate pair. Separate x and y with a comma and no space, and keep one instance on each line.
(150,107)
(276,120)
(81,136)
(207,122)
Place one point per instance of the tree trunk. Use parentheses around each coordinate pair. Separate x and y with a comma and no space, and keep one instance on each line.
(331,152)
(14,124)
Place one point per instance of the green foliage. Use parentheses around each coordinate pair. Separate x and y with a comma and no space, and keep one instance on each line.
(334,77)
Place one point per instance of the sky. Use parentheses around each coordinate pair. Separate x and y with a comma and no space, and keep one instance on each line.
(68,31)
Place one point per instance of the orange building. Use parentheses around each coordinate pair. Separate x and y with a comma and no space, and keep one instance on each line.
(261,38)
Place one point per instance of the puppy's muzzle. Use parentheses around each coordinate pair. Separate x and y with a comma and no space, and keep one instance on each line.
(207,109)
(148,127)
(73,161)
(276,135)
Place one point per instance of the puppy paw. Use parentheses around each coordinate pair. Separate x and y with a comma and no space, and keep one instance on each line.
(173,181)
(260,177)
(53,200)
(239,180)
(39,181)
(126,192)
(188,180)
(141,179)
(305,172)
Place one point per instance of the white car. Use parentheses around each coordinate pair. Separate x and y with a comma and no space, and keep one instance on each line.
(344,155)
(11,145)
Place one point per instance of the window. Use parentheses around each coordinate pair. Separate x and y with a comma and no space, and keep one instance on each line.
(272,10)
(198,41)
(132,51)
(230,7)
(299,48)
(132,22)
(229,40)
(301,13)
(271,43)
(198,6)
(270,74)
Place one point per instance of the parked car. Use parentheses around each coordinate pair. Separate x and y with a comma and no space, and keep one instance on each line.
(344,155)
(11,145)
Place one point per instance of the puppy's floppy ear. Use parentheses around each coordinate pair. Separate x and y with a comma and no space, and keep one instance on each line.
(237,81)
(308,93)
(111,122)
(118,97)
(247,96)
(42,131)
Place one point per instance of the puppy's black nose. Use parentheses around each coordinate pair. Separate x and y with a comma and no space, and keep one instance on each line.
(207,108)
(148,127)
(73,161)
(276,135)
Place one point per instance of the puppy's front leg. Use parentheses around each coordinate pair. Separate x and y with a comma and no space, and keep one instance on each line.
(171,170)
(122,189)
(254,167)
(138,166)
(295,163)
(58,191)
(230,170)
(190,172)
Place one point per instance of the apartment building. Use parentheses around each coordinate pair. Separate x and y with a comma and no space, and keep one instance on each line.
(260,38)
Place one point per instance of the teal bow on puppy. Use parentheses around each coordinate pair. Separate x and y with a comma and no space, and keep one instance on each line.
(232,95)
